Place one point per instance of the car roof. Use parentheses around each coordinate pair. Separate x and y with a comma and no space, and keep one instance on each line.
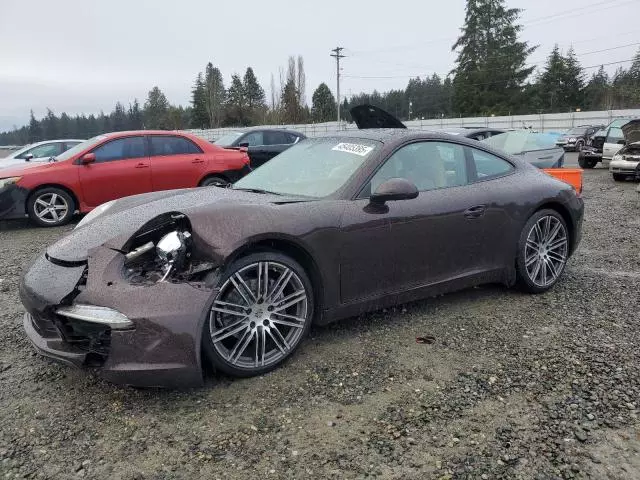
(286,130)
(128,133)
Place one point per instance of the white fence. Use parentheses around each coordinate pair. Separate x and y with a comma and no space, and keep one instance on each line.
(546,122)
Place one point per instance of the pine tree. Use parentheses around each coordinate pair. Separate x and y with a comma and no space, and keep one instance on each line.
(134,116)
(323,107)
(596,93)
(155,110)
(199,114)
(254,96)
(291,110)
(490,69)
(119,120)
(66,126)
(49,123)
(560,86)
(235,108)
(35,129)
(215,95)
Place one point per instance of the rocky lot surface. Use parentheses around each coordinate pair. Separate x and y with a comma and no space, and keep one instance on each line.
(514,386)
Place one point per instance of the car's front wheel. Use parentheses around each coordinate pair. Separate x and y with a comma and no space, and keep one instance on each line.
(585,162)
(619,177)
(543,251)
(262,311)
(50,207)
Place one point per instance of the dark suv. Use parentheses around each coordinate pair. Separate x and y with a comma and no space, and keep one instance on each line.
(262,143)
(577,137)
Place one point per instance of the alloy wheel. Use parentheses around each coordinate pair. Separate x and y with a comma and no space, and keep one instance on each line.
(259,315)
(51,207)
(546,251)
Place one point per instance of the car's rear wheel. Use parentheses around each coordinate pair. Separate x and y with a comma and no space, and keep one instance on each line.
(619,177)
(50,207)
(585,162)
(214,181)
(262,311)
(543,251)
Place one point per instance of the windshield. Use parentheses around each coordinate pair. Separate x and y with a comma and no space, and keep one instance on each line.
(577,131)
(227,139)
(521,141)
(619,122)
(312,168)
(79,147)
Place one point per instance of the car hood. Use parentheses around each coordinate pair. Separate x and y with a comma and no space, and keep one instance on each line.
(19,169)
(125,216)
(368,116)
(631,131)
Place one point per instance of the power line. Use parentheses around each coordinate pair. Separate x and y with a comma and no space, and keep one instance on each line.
(531,64)
(477,84)
(584,10)
(338,55)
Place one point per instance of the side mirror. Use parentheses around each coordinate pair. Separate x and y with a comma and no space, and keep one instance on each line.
(621,142)
(394,189)
(28,157)
(88,158)
(243,144)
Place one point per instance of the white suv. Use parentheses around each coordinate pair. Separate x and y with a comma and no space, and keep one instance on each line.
(625,161)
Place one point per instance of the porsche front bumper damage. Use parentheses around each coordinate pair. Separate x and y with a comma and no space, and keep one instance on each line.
(161,349)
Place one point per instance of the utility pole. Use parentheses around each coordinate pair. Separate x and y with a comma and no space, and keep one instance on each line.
(338,55)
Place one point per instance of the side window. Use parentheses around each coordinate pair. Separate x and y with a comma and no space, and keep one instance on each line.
(254,139)
(68,145)
(291,138)
(168,145)
(276,138)
(44,151)
(489,166)
(615,134)
(429,165)
(129,147)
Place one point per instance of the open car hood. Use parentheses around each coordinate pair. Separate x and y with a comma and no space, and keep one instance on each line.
(631,131)
(368,116)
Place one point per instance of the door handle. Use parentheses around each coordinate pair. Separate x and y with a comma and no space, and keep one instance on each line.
(142,165)
(197,160)
(475,211)
(548,157)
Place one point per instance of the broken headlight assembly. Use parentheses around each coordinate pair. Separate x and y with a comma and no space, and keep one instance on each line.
(163,250)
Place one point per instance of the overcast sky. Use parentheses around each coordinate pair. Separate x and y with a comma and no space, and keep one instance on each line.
(83,56)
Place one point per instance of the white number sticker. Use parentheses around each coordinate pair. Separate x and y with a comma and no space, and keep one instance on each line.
(354,148)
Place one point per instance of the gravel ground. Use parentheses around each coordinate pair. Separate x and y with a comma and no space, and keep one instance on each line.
(514,386)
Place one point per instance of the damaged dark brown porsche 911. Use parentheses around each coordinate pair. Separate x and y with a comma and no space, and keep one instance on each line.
(148,288)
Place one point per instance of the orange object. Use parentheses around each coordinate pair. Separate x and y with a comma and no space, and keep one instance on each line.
(572,176)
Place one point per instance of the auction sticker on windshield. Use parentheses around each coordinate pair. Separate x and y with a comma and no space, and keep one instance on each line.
(354,148)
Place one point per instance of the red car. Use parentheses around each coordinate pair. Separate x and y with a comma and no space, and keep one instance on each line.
(112,166)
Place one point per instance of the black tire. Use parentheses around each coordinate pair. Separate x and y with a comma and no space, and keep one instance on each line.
(585,162)
(214,181)
(59,211)
(524,280)
(256,317)
(619,177)
(579,145)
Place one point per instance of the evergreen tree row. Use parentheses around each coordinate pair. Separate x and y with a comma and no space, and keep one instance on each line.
(491,77)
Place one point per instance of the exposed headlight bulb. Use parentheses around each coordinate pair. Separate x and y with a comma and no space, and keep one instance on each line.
(172,249)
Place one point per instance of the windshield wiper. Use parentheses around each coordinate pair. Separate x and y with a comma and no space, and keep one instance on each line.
(257,190)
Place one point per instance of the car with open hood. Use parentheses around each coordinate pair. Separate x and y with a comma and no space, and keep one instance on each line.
(539,149)
(150,288)
(626,161)
(111,166)
(604,144)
